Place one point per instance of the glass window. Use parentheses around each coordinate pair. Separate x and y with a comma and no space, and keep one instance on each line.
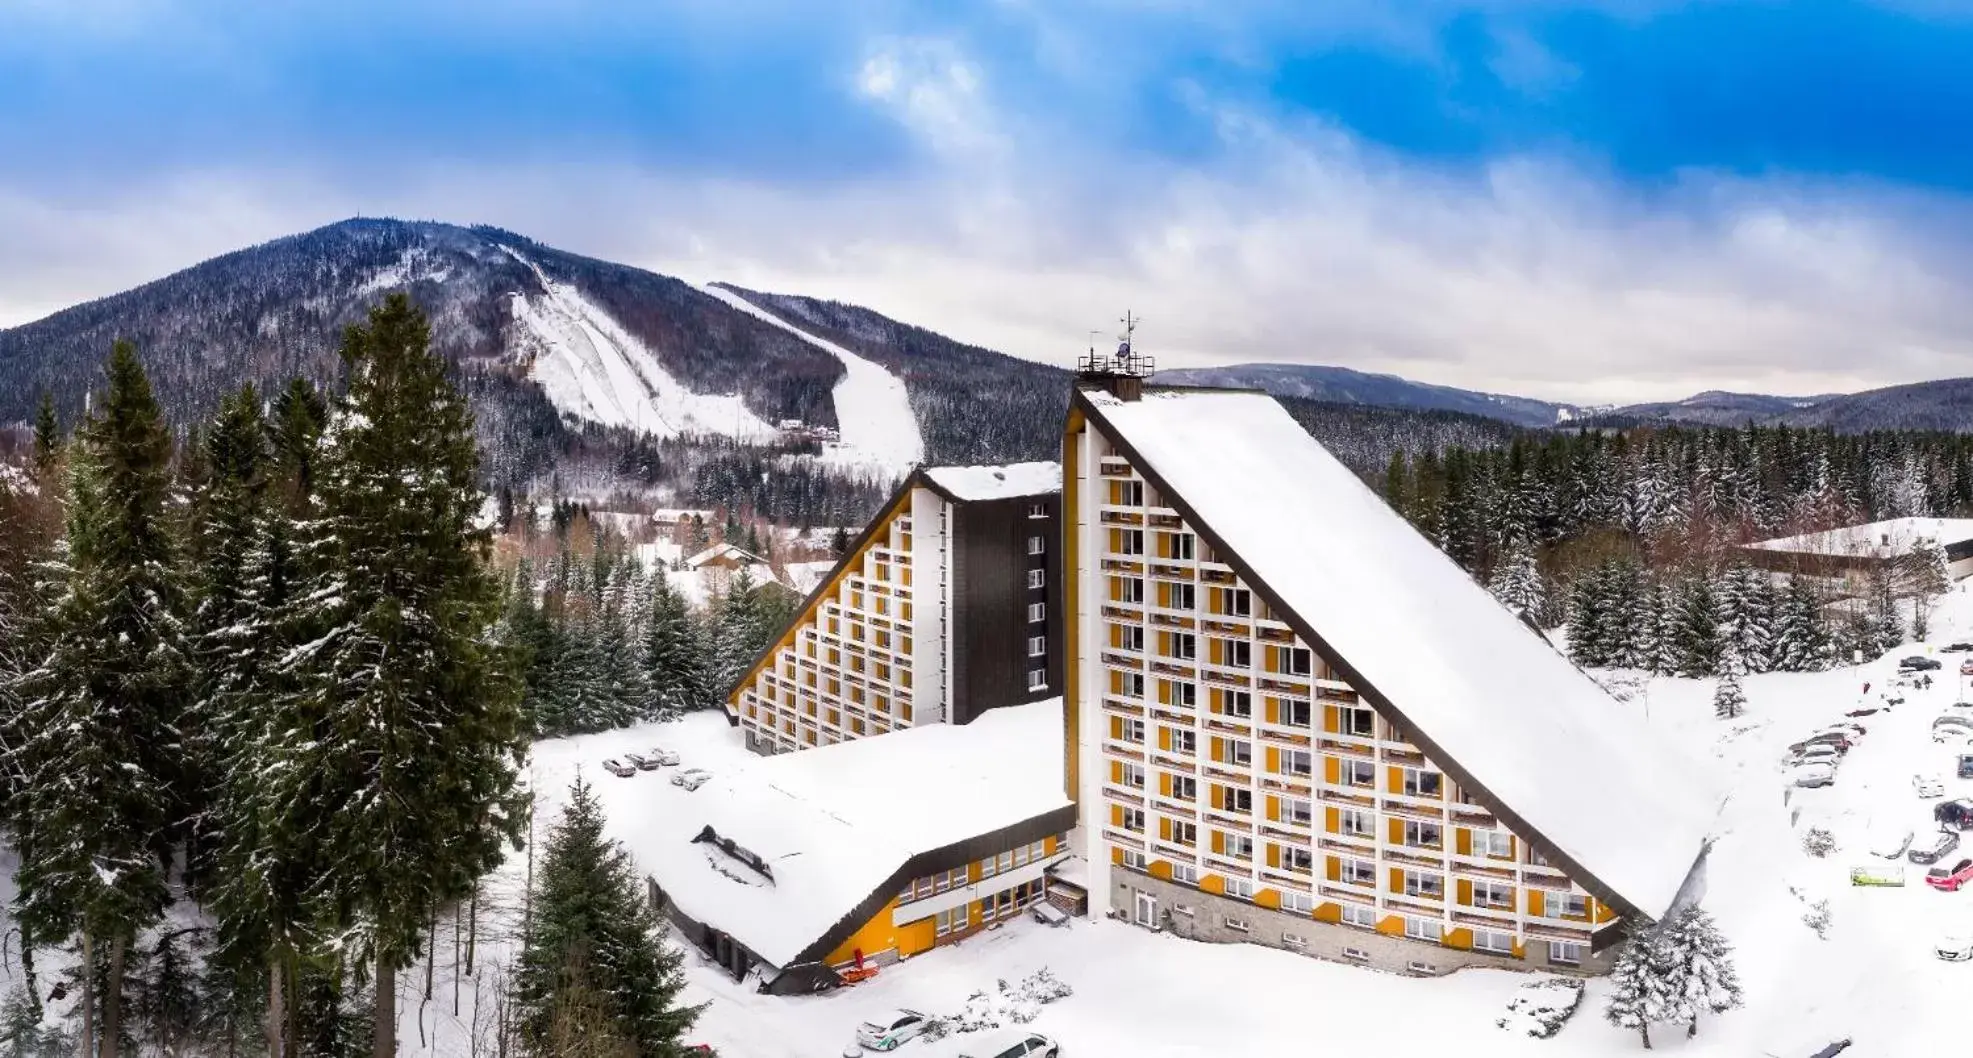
(1300,903)
(1359,872)
(1359,722)
(1423,835)
(1421,783)
(1488,940)
(1297,762)
(1357,915)
(1037,646)
(1359,773)
(1423,928)
(1566,952)
(1297,810)
(1240,888)
(1036,578)
(1034,545)
(1037,612)
(1038,679)
(1355,822)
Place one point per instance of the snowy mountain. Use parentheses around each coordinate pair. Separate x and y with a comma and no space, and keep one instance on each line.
(1342,385)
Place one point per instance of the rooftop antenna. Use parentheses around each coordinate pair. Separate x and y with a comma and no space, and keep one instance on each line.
(1130,323)
(1122,373)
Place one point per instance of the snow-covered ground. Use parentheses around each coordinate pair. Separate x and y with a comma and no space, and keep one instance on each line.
(592,368)
(875,423)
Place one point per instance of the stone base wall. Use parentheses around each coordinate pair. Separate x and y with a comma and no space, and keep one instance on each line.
(1322,940)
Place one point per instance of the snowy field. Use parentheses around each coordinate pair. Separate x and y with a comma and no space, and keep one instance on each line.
(1874,979)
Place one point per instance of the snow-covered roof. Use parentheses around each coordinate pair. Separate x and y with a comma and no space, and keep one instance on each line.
(997,483)
(834,823)
(1885,539)
(1460,674)
(804,576)
(724,550)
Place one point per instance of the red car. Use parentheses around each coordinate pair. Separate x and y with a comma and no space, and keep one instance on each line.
(1949,879)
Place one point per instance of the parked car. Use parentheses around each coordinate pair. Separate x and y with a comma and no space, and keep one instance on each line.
(1918,663)
(1852,729)
(619,768)
(1956,813)
(1812,774)
(1955,947)
(691,778)
(1950,728)
(1934,848)
(663,756)
(1817,755)
(641,762)
(1838,742)
(1890,840)
(1868,711)
(1956,648)
(1949,879)
(1019,1043)
(1928,786)
(891,1030)
(1966,668)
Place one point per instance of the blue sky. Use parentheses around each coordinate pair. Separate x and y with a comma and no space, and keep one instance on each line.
(1591,201)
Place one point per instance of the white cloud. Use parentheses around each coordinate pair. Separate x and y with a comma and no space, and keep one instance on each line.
(1295,243)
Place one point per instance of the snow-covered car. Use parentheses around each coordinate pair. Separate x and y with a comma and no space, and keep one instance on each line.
(1917,663)
(1811,774)
(890,1030)
(1818,754)
(691,778)
(1928,786)
(663,756)
(1889,840)
(1835,740)
(1955,947)
(1956,648)
(1949,879)
(1966,668)
(619,768)
(641,762)
(1016,1044)
(1933,849)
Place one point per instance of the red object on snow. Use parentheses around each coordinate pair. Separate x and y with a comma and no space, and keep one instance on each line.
(857,954)
(1866,688)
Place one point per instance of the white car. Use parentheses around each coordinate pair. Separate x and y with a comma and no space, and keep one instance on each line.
(1928,786)
(691,778)
(619,768)
(891,1030)
(1955,947)
(663,756)
(1812,774)
(1016,1044)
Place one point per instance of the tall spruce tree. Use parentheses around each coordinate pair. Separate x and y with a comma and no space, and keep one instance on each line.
(101,748)
(1699,976)
(47,435)
(594,941)
(673,656)
(423,729)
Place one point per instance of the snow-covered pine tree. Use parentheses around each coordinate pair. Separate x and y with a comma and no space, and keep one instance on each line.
(423,730)
(1622,643)
(1800,641)
(1639,992)
(736,627)
(1588,613)
(47,436)
(674,659)
(1695,630)
(1517,581)
(100,750)
(592,930)
(1699,974)
(1729,701)
(623,691)
(839,542)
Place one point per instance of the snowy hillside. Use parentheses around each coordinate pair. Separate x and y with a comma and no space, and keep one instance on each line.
(878,428)
(592,368)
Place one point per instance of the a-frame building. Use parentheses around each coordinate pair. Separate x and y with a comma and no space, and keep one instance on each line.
(1292,720)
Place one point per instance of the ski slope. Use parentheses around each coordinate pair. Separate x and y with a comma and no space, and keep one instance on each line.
(876,424)
(591,368)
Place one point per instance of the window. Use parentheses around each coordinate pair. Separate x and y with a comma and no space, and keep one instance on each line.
(946,922)
(1126,493)
(1182,909)
(1495,843)
(1299,903)
(1356,822)
(1034,545)
(1535,857)
(1295,661)
(1574,905)
(1127,728)
(1238,846)
(1185,695)
(1129,637)
(1129,590)
(1130,684)
(1236,799)
(1184,646)
(1036,578)
(1297,810)
(1421,783)
(1127,541)
(1132,775)
(1298,762)
(1488,940)
(1359,722)
(1184,788)
(1185,874)
(1186,742)
(1236,653)
(1037,612)
(1134,859)
(1181,546)
(1359,916)
(1420,967)
(1240,888)
(1037,646)
(1359,773)
(1292,712)
(1238,925)
(1493,894)
(1357,954)
(1133,819)
(1566,952)
(1184,832)
(1037,679)
(1422,835)
(1423,929)
(1359,872)
(1299,860)
(1293,940)
(1236,703)
(1037,510)
(1417,883)
(1234,602)
(1239,752)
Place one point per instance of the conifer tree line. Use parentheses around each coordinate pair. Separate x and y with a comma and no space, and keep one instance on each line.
(1629,538)
(261,680)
